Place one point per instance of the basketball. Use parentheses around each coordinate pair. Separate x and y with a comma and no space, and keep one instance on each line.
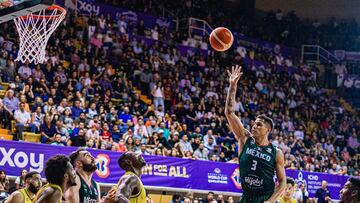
(221,39)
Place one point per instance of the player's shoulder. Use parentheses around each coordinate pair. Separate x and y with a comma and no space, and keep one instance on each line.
(129,177)
(17,194)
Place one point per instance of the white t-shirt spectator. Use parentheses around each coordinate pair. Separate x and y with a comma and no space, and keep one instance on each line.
(90,134)
(22,117)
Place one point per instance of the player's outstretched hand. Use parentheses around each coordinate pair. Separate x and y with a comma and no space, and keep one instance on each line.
(235,74)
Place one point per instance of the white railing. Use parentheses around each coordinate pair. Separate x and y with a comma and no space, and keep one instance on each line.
(197,26)
(316,54)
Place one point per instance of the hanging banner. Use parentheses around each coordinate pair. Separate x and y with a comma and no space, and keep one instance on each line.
(88,7)
(160,171)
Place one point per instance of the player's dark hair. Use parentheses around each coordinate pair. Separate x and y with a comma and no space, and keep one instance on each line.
(356,184)
(56,168)
(124,160)
(267,120)
(74,155)
(290,181)
(30,174)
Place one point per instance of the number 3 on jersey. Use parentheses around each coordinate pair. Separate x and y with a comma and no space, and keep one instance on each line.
(253,166)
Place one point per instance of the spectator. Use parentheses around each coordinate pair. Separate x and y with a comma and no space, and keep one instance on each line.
(152,127)
(5,113)
(20,180)
(125,115)
(116,134)
(176,199)
(298,194)
(77,140)
(23,120)
(322,194)
(48,130)
(61,129)
(10,101)
(158,94)
(185,145)
(165,130)
(201,153)
(162,140)
(25,71)
(37,118)
(144,150)
(209,198)
(175,139)
(4,185)
(76,110)
(105,135)
(122,146)
(57,140)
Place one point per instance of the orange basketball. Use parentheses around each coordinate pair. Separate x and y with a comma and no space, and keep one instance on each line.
(221,39)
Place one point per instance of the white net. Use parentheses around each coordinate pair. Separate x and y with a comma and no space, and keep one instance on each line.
(34,32)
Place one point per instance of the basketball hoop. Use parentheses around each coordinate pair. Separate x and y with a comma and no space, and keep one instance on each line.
(34,31)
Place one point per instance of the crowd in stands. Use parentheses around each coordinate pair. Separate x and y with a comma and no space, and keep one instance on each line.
(84,96)
(274,26)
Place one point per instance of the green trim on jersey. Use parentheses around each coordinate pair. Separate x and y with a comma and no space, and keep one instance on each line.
(88,194)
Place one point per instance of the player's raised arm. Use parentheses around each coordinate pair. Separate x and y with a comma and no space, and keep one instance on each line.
(235,124)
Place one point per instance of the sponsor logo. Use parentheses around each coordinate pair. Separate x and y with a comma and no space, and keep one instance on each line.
(217,170)
(235,177)
(20,159)
(313,177)
(217,177)
(83,6)
(254,181)
(102,163)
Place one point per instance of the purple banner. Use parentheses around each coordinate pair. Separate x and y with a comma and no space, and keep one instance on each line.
(159,171)
(87,7)
(343,55)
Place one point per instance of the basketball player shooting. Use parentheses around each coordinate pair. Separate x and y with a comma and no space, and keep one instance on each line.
(258,158)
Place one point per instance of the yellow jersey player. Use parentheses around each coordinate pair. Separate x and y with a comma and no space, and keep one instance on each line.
(60,176)
(129,188)
(287,196)
(26,195)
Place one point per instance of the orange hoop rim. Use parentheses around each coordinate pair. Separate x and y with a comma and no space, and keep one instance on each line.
(50,8)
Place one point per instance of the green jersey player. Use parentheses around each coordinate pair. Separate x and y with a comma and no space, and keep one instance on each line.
(258,158)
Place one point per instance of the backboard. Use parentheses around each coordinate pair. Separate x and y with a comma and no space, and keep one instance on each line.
(10,9)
